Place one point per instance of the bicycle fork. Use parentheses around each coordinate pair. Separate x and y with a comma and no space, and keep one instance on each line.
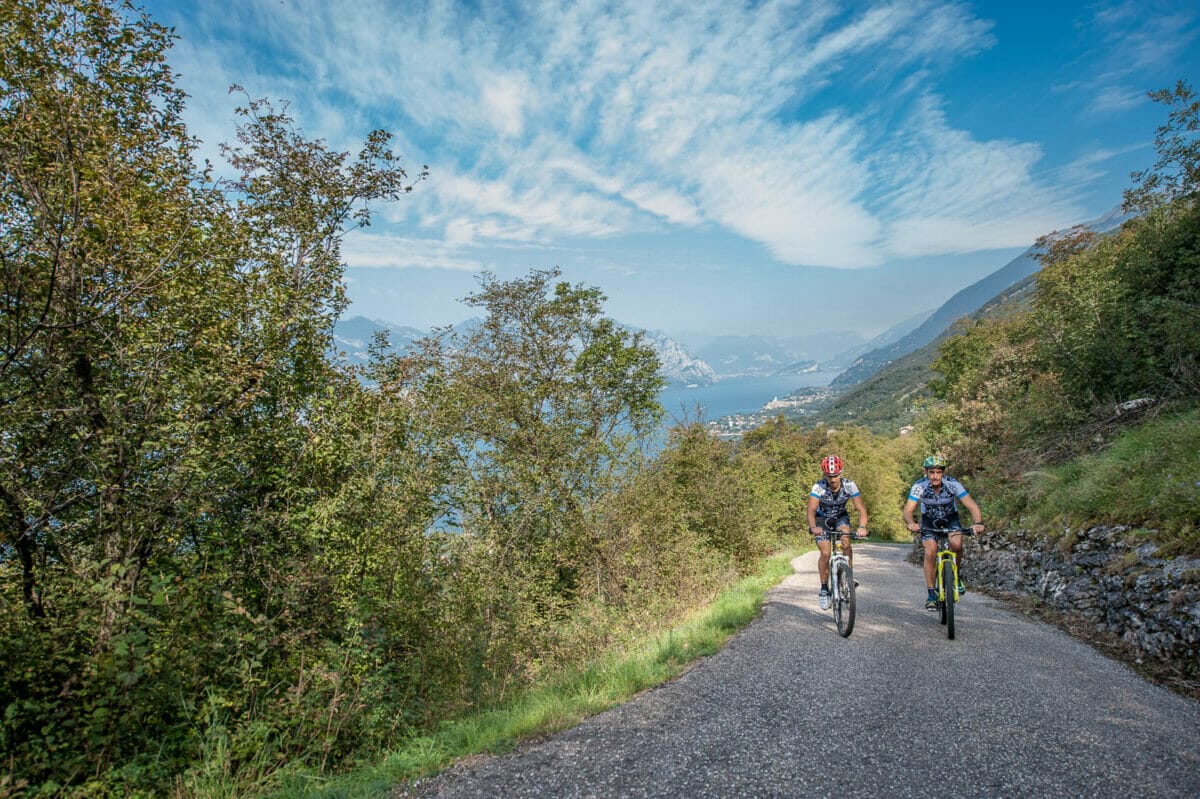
(946,560)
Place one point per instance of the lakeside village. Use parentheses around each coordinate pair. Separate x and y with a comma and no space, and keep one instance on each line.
(800,403)
(803,401)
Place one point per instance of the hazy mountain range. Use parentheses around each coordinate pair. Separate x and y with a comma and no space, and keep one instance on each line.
(352,339)
(717,358)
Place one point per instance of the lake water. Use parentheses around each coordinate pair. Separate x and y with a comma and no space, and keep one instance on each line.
(735,394)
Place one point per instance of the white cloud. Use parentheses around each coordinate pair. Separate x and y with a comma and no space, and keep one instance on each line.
(1132,40)
(372,250)
(1137,35)
(1090,165)
(505,97)
(952,194)
(543,120)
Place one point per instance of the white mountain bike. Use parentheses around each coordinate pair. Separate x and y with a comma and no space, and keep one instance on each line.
(841,582)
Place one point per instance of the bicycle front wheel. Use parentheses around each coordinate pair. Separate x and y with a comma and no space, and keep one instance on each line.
(941,595)
(843,607)
(948,605)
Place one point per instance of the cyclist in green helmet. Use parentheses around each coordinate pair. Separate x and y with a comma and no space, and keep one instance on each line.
(939,495)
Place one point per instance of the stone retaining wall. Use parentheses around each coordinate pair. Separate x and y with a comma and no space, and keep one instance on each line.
(1115,586)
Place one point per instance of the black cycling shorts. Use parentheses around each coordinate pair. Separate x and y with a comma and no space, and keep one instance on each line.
(830,524)
(940,526)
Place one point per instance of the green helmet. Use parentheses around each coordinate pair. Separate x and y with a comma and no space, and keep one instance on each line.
(935,462)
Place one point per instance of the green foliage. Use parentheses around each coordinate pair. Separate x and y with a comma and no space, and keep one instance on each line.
(1149,476)
(1042,407)
(224,561)
(1121,317)
(877,463)
(1111,321)
(593,686)
(162,365)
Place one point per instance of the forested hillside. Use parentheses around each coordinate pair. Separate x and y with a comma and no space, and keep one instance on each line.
(1081,407)
(896,395)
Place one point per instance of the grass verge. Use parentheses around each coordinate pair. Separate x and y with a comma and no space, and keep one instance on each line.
(565,701)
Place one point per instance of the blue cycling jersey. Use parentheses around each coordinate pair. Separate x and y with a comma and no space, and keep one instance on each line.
(833,503)
(939,507)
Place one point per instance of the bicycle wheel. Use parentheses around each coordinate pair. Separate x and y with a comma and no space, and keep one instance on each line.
(941,594)
(948,587)
(843,607)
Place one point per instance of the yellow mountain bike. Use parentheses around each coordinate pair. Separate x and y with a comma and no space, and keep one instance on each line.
(946,584)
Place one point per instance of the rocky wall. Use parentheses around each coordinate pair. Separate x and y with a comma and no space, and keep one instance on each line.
(1102,576)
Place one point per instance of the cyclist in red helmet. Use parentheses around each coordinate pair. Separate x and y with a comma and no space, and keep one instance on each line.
(827,513)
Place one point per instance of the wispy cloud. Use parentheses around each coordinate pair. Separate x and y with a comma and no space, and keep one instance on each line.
(596,119)
(1130,39)
(373,250)
(1091,165)
(938,200)
(1138,34)
(1114,99)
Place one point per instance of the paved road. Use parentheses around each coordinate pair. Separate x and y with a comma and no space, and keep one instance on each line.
(1010,708)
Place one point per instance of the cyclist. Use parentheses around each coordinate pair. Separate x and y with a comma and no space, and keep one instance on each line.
(938,495)
(827,513)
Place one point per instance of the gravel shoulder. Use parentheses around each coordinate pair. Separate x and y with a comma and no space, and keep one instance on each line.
(1011,707)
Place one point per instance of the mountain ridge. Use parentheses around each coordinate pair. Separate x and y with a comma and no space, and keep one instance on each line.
(963,303)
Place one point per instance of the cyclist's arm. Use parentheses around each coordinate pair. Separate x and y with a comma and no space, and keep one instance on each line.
(812,513)
(970,504)
(909,507)
(862,513)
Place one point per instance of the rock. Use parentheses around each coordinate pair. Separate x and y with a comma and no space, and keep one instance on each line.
(1153,604)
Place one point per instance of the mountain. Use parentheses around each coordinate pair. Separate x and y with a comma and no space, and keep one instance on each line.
(847,357)
(678,365)
(738,356)
(964,303)
(353,336)
(885,401)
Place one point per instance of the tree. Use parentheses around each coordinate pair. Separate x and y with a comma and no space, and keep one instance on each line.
(161,364)
(1176,173)
(544,399)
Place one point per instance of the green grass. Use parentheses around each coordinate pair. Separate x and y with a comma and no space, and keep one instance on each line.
(567,700)
(1148,477)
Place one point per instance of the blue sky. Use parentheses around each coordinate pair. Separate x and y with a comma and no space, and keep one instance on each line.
(714,167)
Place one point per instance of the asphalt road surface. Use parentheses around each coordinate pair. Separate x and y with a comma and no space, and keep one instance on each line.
(1010,708)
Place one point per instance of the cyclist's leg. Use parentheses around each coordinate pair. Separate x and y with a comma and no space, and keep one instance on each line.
(930,545)
(931,551)
(844,529)
(956,546)
(826,550)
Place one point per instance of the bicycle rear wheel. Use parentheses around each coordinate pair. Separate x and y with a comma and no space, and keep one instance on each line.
(948,605)
(843,607)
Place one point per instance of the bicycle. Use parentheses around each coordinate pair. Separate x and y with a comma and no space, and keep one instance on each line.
(841,582)
(946,583)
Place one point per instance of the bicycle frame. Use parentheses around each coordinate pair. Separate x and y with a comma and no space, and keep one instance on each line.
(946,560)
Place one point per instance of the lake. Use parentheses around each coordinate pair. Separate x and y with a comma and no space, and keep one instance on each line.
(736,394)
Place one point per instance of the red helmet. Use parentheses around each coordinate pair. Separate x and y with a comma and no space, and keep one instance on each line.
(831,465)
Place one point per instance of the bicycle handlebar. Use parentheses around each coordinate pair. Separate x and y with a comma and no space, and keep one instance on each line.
(946,532)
